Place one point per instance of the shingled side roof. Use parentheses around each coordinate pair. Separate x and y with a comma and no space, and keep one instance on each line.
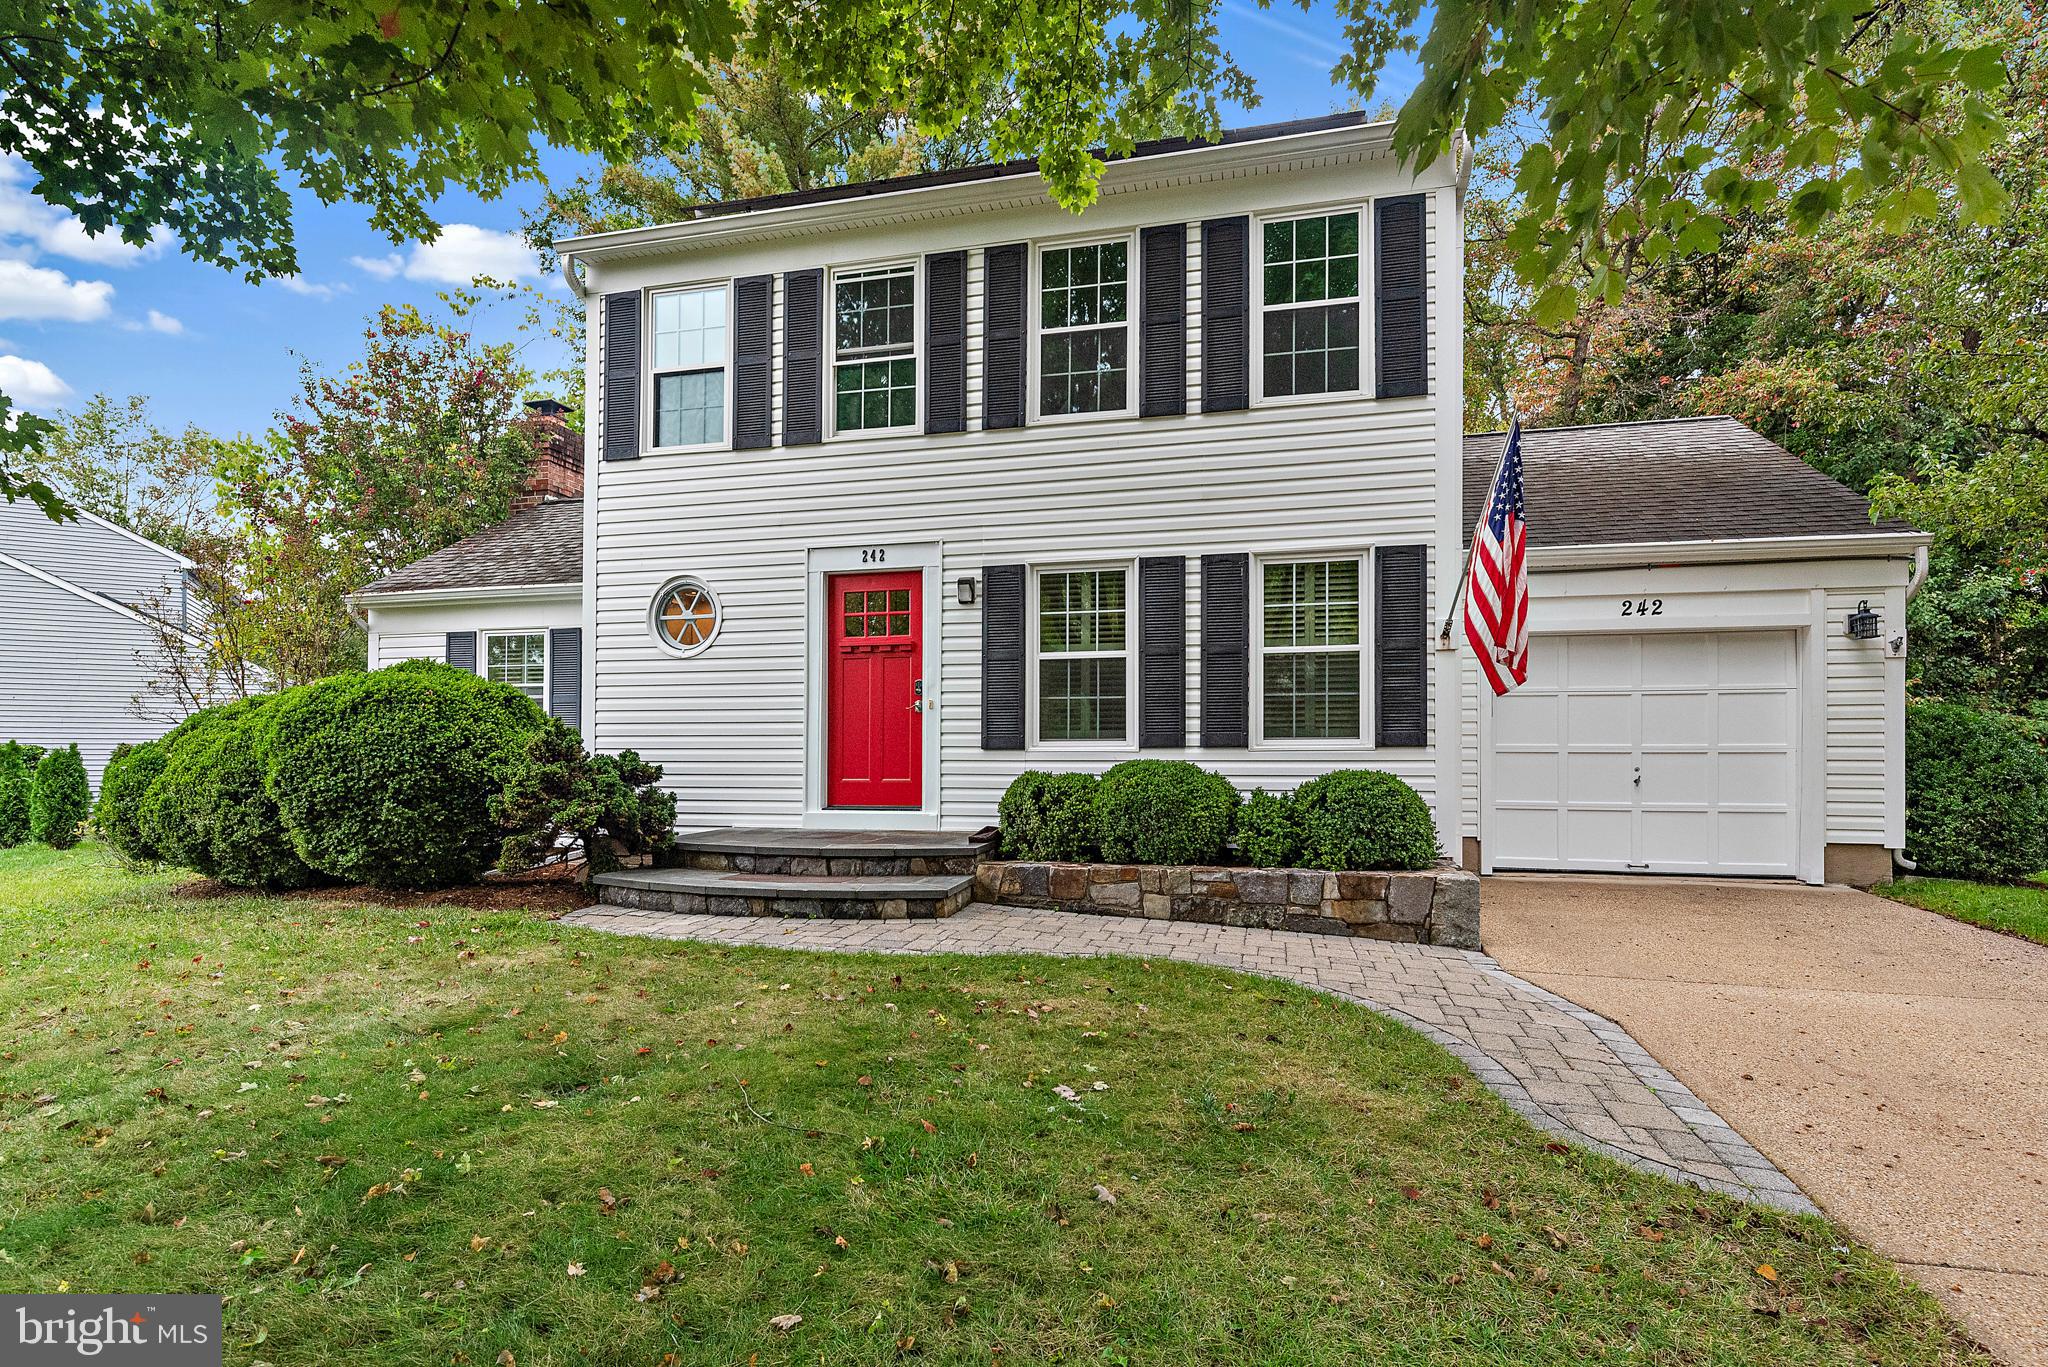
(543,545)
(1683,479)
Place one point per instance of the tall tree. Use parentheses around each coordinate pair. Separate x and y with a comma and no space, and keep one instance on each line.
(113,460)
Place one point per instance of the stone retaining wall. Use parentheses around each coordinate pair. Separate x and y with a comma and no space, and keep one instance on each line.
(1438,906)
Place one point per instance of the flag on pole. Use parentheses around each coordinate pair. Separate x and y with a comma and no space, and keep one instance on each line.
(1497,592)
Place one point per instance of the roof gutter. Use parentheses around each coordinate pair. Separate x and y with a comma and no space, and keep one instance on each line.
(467,593)
(1604,555)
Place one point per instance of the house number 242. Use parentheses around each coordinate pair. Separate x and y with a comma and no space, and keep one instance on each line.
(873,555)
(1642,607)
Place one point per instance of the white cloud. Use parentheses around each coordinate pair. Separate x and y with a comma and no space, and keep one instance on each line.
(462,252)
(41,226)
(30,383)
(163,322)
(299,284)
(37,292)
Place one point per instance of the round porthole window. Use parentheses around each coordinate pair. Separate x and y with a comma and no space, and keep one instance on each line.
(685,617)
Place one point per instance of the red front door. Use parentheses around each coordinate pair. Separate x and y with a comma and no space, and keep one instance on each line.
(874,738)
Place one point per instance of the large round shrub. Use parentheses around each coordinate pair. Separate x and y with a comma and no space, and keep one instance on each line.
(59,799)
(1976,794)
(210,808)
(1048,816)
(1269,831)
(1363,819)
(117,816)
(1159,811)
(387,778)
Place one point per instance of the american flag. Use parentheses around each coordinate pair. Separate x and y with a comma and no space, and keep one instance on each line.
(1497,595)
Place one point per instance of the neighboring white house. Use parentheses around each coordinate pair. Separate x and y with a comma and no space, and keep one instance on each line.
(76,599)
(896,490)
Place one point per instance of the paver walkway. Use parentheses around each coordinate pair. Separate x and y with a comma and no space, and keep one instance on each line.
(1570,1071)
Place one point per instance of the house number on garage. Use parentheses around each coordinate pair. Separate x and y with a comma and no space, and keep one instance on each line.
(1642,607)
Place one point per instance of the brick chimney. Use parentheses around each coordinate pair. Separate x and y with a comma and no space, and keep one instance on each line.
(557,458)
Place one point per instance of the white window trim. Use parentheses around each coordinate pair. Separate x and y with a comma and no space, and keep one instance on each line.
(1367,662)
(831,349)
(1035,331)
(648,368)
(1128,741)
(547,658)
(1260,399)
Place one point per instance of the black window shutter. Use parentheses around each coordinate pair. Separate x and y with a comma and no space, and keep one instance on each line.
(1005,282)
(753,339)
(1226,315)
(945,342)
(1163,321)
(461,650)
(1401,289)
(1400,645)
(1163,651)
(1002,657)
(622,380)
(565,675)
(1226,650)
(803,357)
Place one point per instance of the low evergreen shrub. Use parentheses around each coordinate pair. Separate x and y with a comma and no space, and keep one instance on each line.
(1158,811)
(1976,794)
(1049,816)
(561,802)
(1269,831)
(15,777)
(59,799)
(117,815)
(1364,819)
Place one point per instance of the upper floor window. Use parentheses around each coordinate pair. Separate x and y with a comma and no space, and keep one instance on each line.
(519,660)
(1084,342)
(1309,293)
(1083,655)
(689,366)
(1310,649)
(874,348)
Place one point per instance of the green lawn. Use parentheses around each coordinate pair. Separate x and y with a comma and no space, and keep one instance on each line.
(394,1142)
(2016,909)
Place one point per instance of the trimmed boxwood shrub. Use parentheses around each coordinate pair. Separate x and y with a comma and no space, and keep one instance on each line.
(1160,811)
(1364,819)
(117,816)
(1976,794)
(14,782)
(210,807)
(60,799)
(1269,831)
(387,778)
(1049,816)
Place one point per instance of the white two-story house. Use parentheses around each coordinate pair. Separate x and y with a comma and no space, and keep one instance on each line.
(896,490)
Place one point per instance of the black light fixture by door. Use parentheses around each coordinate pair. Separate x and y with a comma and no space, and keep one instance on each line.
(964,590)
(1863,623)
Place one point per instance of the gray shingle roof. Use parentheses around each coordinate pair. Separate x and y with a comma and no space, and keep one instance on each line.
(1684,479)
(542,545)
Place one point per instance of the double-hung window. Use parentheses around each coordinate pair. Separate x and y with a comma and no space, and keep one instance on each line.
(1084,329)
(1310,647)
(874,348)
(1309,295)
(689,366)
(1083,656)
(519,660)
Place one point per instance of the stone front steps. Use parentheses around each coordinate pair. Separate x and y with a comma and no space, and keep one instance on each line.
(839,875)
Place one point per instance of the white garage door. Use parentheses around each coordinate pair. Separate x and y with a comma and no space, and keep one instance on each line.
(1658,753)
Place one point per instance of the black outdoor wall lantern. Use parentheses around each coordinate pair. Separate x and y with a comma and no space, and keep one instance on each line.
(1863,623)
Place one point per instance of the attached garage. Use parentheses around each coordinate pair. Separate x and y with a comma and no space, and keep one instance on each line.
(1698,701)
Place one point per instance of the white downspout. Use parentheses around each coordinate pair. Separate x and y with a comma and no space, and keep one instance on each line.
(1914,583)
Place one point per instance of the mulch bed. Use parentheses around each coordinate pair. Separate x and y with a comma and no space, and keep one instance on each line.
(553,890)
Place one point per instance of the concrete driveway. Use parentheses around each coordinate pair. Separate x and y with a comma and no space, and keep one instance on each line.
(1892,1062)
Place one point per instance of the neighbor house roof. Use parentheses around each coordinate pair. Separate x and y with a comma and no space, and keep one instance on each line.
(1682,479)
(543,545)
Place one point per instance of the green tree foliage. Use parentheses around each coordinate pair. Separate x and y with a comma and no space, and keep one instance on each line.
(1976,794)
(111,459)
(15,776)
(561,802)
(387,778)
(59,799)
(411,448)
(1048,816)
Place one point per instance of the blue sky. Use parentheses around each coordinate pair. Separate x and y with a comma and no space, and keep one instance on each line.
(80,316)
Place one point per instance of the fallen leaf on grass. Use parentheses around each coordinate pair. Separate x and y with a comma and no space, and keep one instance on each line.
(1767,1272)
(785,1323)
(1104,1195)
(606,1202)
(575,1269)
(477,1242)
(505,1358)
